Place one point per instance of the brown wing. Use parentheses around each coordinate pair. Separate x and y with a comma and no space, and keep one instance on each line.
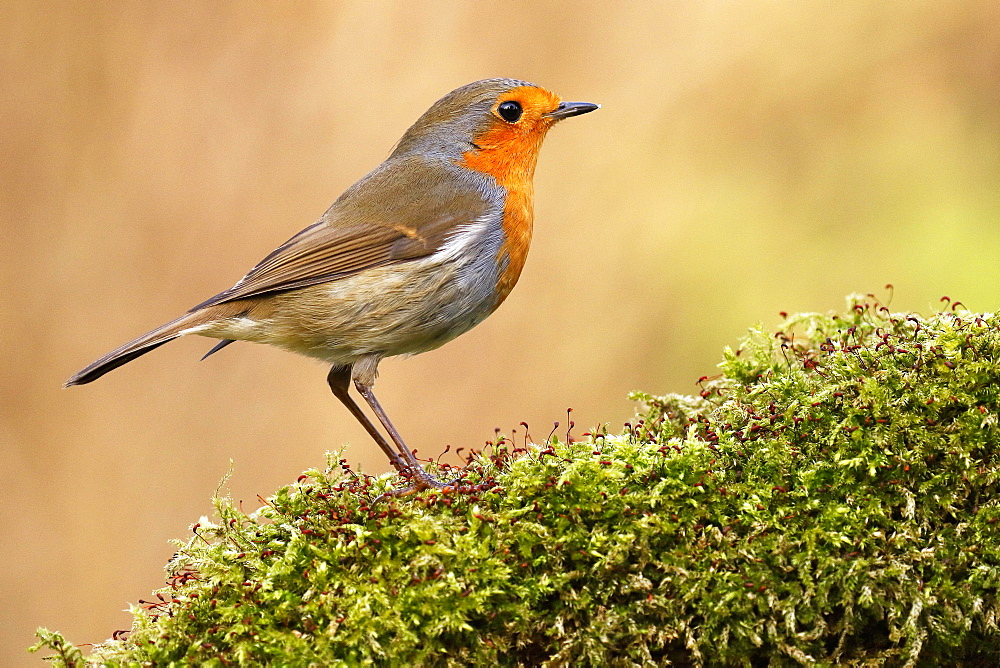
(403,210)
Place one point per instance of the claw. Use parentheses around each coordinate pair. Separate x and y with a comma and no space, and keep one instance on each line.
(423,481)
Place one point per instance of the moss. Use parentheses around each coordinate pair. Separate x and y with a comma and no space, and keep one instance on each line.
(831,497)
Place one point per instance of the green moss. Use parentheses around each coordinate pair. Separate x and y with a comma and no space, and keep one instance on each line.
(831,497)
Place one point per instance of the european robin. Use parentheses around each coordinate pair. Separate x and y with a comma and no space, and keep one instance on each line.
(420,250)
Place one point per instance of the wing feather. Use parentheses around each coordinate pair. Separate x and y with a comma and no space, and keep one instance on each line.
(387,217)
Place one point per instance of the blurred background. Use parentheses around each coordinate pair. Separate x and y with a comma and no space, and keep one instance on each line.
(750,158)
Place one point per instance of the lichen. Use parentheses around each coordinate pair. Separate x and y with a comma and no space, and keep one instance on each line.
(830,497)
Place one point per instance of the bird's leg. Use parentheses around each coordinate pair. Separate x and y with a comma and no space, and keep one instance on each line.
(423,479)
(363,373)
(339,379)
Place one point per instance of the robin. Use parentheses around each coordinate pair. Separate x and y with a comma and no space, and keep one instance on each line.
(420,250)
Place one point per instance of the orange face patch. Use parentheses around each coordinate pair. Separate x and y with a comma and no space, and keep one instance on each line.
(508,151)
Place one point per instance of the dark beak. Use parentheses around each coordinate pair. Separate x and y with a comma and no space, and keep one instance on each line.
(567,109)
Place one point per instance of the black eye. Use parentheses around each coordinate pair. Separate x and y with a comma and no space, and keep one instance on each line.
(510,111)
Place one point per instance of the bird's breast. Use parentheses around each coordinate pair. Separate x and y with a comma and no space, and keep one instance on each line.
(512,172)
(518,217)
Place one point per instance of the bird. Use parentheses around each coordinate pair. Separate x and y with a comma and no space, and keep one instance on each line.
(418,251)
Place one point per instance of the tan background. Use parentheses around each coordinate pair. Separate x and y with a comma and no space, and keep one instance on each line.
(750,158)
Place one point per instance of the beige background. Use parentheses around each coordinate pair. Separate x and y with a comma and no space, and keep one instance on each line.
(750,158)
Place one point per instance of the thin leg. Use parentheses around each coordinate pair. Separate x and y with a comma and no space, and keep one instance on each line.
(339,379)
(424,479)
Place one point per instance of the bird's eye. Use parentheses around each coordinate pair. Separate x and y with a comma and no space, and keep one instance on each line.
(510,111)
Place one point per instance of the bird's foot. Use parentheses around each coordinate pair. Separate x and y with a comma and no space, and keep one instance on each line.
(422,480)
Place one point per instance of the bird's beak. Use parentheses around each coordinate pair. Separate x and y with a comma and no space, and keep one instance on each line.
(567,109)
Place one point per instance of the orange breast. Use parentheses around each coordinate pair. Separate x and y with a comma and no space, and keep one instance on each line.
(518,216)
(509,154)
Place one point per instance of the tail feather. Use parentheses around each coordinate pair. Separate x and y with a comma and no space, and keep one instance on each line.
(217,347)
(132,349)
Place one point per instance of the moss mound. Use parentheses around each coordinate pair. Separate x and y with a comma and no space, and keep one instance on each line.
(832,497)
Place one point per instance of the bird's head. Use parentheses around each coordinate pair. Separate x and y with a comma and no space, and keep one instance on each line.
(494,126)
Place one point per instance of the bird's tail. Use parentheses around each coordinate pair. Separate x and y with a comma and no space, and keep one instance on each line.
(133,349)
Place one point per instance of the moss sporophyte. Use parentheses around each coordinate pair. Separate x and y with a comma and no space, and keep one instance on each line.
(831,497)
